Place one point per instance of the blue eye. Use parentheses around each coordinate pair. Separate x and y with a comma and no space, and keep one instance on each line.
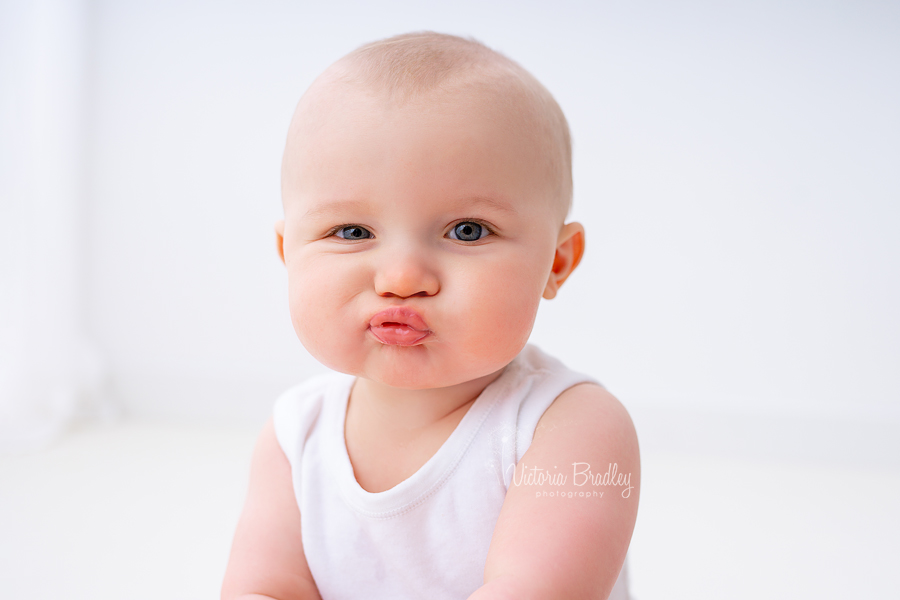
(468,231)
(353,232)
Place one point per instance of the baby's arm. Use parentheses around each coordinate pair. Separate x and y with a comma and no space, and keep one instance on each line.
(267,559)
(561,547)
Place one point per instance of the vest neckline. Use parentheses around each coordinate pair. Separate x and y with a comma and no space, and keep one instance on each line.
(416,488)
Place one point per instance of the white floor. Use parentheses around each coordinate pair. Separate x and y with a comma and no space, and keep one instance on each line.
(141,510)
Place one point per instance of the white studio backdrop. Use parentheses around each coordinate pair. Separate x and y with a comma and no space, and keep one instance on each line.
(50,371)
(735,168)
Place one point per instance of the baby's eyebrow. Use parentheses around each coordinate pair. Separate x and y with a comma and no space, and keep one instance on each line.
(486,201)
(360,206)
(336,206)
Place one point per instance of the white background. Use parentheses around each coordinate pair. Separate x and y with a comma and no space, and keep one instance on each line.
(735,168)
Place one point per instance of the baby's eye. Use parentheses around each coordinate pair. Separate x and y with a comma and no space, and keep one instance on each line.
(353,232)
(468,231)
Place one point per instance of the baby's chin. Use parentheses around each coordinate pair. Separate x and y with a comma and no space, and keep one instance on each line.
(409,367)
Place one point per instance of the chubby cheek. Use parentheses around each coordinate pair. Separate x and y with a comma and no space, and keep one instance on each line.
(319,305)
(502,309)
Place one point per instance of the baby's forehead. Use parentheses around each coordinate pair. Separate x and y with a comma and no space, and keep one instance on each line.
(338,101)
(437,73)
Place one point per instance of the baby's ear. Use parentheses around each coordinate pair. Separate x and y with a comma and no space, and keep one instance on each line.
(279,239)
(569,250)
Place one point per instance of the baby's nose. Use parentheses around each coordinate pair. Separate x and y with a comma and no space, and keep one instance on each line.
(406,274)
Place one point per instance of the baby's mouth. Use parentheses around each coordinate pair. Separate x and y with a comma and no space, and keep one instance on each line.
(399,326)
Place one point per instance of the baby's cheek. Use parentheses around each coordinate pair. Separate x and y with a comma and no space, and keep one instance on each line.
(324,315)
(507,311)
(300,313)
(309,308)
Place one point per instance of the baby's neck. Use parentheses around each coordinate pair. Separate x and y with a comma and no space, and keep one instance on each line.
(400,411)
(390,433)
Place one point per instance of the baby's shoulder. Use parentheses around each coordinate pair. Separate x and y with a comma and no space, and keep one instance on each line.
(587,417)
(298,410)
(589,402)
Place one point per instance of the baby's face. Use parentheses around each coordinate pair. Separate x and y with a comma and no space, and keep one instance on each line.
(418,239)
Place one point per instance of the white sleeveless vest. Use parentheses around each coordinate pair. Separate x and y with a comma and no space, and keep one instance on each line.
(428,536)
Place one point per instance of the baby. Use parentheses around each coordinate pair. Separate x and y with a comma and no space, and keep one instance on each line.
(426,181)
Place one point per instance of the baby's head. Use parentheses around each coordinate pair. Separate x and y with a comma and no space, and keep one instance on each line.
(425,181)
(429,70)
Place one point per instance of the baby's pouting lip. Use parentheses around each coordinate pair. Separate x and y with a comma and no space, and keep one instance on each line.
(399,326)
